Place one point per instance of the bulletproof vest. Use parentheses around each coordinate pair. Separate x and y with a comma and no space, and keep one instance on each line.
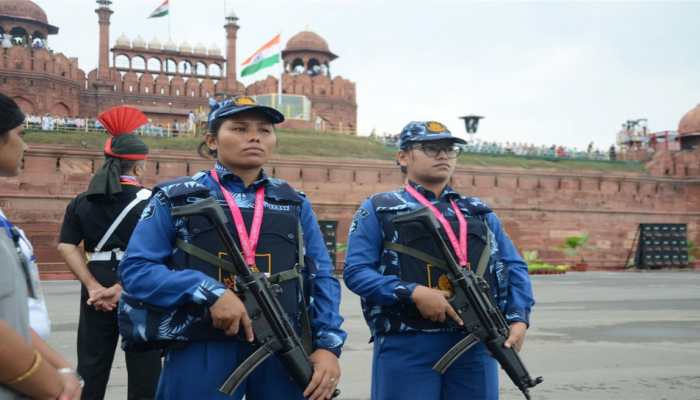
(415,242)
(277,250)
(277,254)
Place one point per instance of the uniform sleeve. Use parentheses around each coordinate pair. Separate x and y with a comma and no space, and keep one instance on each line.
(520,297)
(325,303)
(144,273)
(362,262)
(71,230)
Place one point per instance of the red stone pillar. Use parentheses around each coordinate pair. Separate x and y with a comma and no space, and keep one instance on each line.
(104,13)
(231,35)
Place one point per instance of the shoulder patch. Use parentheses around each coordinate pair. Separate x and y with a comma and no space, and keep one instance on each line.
(475,205)
(280,190)
(184,186)
(389,202)
(148,211)
(360,214)
(199,175)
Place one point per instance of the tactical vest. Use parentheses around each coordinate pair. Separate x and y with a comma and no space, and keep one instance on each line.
(412,255)
(198,247)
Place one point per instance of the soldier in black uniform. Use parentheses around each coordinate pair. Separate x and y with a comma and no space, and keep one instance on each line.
(103,218)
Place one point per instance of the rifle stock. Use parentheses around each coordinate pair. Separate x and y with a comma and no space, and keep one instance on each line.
(274,333)
(472,300)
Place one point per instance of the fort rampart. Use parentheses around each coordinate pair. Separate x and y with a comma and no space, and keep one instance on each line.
(540,208)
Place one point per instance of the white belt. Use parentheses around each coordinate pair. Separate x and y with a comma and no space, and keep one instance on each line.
(106,255)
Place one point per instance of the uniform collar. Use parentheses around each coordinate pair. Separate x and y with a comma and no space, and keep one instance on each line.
(226,174)
(447,193)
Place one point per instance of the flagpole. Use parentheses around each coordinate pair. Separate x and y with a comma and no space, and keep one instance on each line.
(170,11)
(279,82)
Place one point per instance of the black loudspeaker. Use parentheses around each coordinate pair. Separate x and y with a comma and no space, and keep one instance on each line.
(662,245)
(329,229)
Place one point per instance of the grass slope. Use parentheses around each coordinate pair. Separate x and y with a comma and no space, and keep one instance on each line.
(340,146)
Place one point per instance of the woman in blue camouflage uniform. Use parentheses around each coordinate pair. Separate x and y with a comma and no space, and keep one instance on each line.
(161,269)
(404,297)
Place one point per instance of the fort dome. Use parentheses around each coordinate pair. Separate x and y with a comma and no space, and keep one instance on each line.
(307,41)
(26,10)
(690,123)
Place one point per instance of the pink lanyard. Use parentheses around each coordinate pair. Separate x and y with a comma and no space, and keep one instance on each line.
(249,244)
(459,247)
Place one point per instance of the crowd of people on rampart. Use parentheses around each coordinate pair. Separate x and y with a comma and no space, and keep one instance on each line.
(476,145)
(647,144)
(50,123)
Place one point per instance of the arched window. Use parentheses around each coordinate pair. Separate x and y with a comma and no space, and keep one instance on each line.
(201,68)
(314,67)
(185,67)
(122,61)
(170,66)
(154,65)
(298,66)
(138,63)
(20,37)
(215,70)
(38,40)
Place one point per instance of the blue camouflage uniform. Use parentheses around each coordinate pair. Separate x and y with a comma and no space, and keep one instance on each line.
(405,345)
(156,272)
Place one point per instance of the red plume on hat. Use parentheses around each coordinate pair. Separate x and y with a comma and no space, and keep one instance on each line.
(120,122)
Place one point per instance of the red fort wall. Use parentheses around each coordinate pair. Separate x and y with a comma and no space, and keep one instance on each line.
(539,208)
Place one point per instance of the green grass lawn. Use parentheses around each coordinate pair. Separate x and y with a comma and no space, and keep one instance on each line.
(339,146)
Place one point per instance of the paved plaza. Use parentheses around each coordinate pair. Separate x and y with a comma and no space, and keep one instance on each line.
(594,336)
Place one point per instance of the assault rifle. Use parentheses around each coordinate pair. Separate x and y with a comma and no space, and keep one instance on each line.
(471,299)
(274,333)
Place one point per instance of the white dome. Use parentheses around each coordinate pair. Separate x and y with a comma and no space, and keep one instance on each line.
(155,44)
(139,43)
(214,50)
(123,41)
(200,49)
(170,45)
(185,47)
(232,16)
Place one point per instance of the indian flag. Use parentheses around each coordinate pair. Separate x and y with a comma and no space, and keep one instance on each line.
(266,56)
(161,11)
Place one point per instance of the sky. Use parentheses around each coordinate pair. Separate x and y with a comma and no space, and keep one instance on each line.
(540,72)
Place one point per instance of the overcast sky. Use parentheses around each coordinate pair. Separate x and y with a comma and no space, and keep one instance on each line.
(544,73)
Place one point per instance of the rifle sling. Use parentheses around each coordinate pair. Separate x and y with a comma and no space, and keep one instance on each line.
(307,333)
(485,255)
(436,262)
(276,279)
(208,257)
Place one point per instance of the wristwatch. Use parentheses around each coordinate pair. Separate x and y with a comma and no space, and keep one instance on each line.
(71,371)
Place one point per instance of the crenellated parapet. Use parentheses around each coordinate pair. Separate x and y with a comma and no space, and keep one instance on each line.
(167,80)
(41,81)
(333,101)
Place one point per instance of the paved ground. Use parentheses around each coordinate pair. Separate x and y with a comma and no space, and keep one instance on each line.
(622,336)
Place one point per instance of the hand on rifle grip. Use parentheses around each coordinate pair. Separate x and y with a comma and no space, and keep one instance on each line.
(433,304)
(229,314)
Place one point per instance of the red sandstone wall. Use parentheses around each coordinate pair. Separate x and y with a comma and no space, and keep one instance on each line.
(41,82)
(539,208)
